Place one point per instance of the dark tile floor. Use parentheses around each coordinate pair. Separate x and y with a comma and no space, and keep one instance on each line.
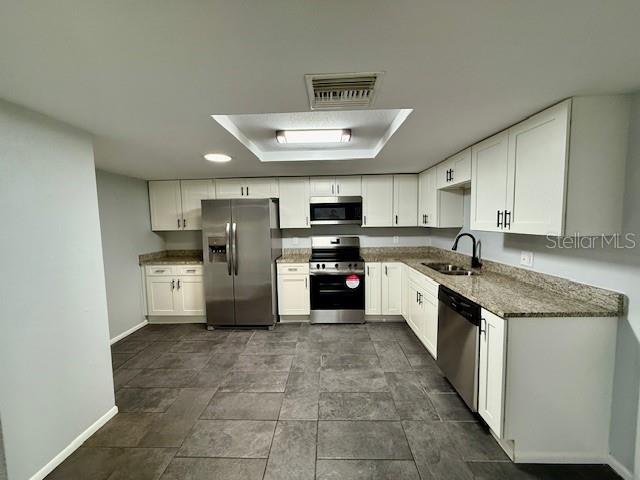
(299,402)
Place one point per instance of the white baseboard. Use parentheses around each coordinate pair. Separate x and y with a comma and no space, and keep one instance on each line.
(559,458)
(620,469)
(177,319)
(74,445)
(128,332)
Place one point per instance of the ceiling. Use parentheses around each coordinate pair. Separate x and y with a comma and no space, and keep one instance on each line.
(370,129)
(144,77)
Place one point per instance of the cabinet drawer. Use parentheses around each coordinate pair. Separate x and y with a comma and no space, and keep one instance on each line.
(156,270)
(188,270)
(424,282)
(292,268)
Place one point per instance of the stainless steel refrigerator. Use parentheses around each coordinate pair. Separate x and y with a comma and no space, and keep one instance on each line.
(241,241)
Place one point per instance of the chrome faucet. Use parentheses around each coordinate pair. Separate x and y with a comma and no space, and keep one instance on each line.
(477,247)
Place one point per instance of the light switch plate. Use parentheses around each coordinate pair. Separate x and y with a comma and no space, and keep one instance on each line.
(396,240)
(526,258)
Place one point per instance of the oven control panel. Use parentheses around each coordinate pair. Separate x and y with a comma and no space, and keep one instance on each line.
(336,267)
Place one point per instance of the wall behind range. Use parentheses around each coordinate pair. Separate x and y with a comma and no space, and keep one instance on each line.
(369,237)
(615,269)
(55,363)
(126,233)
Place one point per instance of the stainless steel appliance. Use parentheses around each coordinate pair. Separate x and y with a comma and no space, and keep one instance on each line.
(336,210)
(337,280)
(458,343)
(241,240)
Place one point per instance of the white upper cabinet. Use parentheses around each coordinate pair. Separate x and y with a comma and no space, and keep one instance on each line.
(560,172)
(247,188)
(455,171)
(405,200)
(537,165)
(192,193)
(377,200)
(322,186)
(438,208)
(175,204)
(294,202)
(165,204)
(347,186)
(489,169)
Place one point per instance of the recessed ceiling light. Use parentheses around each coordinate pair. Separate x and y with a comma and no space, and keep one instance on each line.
(340,135)
(217,157)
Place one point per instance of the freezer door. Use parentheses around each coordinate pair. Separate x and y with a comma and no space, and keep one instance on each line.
(218,256)
(252,262)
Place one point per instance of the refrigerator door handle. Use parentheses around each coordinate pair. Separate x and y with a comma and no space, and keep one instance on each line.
(227,237)
(234,233)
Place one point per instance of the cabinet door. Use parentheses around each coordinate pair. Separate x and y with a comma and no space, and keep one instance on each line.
(373,289)
(455,170)
(350,186)
(192,193)
(165,205)
(429,312)
(261,188)
(189,295)
(414,312)
(160,298)
(294,202)
(391,289)
(489,182)
(322,186)
(430,200)
(377,200)
(293,294)
(492,370)
(405,200)
(538,150)
(422,199)
(230,188)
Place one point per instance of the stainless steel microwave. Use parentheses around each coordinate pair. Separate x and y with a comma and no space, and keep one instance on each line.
(336,210)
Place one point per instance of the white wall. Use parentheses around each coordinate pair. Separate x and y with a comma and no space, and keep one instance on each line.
(610,268)
(126,233)
(55,368)
(186,240)
(369,237)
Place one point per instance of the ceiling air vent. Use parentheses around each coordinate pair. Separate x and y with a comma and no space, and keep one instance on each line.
(342,90)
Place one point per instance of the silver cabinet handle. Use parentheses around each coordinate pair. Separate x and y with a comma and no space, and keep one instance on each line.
(227,241)
(364,220)
(191,271)
(184,223)
(499,220)
(159,271)
(367,270)
(234,236)
(386,271)
(483,326)
(178,223)
(173,284)
(306,283)
(247,190)
(242,191)
(178,284)
(306,221)
(333,190)
(396,219)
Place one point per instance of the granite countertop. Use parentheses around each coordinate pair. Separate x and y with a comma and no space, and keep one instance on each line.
(171,257)
(299,255)
(508,291)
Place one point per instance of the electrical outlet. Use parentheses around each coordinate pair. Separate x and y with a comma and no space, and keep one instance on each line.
(396,240)
(295,240)
(526,258)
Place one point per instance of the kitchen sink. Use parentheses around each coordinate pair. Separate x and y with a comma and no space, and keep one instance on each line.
(449,268)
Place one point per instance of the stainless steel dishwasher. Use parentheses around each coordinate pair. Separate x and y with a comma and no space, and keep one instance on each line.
(458,343)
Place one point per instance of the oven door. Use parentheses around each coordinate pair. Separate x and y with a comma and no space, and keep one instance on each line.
(336,210)
(337,298)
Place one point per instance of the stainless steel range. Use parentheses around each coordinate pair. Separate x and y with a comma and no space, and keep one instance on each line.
(337,280)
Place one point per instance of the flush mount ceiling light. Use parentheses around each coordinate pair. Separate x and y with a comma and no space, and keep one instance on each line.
(217,157)
(340,135)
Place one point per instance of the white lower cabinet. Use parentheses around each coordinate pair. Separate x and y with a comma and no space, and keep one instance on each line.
(174,290)
(372,289)
(391,289)
(421,309)
(491,370)
(293,289)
